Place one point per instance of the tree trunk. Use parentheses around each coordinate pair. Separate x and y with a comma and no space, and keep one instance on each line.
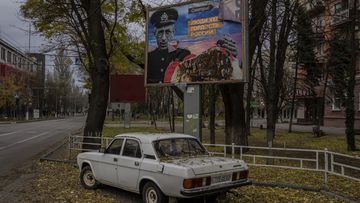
(212,105)
(293,97)
(350,117)
(271,119)
(324,97)
(235,129)
(99,73)
(255,26)
(350,106)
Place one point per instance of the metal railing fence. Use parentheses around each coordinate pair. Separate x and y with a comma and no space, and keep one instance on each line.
(325,161)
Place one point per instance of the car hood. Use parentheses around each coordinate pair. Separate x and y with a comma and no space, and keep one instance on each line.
(207,164)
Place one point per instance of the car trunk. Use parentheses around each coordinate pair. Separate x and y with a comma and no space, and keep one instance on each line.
(207,165)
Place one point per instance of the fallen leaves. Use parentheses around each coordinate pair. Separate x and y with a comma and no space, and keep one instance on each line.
(58,182)
(269,194)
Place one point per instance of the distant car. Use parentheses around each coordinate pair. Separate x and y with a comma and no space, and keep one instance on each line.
(159,166)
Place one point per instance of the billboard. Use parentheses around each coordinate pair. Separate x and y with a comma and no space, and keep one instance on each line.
(127,89)
(194,43)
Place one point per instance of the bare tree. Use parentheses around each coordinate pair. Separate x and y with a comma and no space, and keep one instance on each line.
(272,58)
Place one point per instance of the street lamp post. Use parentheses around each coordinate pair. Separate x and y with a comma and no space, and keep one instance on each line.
(17,98)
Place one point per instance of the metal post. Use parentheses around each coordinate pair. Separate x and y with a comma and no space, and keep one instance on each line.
(332,162)
(224,150)
(326,168)
(192,111)
(241,154)
(29,35)
(70,146)
(317,160)
(232,150)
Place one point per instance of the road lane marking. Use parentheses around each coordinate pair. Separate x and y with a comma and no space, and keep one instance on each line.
(1,135)
(22,141)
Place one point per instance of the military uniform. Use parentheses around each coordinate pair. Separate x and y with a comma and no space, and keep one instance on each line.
(159,60)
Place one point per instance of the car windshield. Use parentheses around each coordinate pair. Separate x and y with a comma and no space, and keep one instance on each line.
(179,147)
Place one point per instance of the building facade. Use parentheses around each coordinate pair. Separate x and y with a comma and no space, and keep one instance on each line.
(329,17)
(17,78)
(39,83)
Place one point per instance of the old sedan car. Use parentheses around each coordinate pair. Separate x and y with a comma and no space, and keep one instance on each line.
(159,166)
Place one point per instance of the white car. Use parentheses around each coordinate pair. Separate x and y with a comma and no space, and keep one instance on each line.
(159,166)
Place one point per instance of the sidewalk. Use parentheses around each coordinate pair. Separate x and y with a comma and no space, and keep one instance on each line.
(36,120)
(299,128)
(254,124)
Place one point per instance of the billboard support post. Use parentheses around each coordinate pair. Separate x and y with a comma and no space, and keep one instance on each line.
(127,116)
(192,111)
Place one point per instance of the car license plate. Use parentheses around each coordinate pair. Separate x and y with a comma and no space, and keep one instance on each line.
(220,179)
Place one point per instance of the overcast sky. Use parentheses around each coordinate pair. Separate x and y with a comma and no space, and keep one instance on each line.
(14,30)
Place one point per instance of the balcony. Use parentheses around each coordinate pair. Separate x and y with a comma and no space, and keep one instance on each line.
(339,17)
(314,7)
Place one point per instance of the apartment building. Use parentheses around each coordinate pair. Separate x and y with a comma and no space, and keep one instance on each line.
(21,68)
(328,16)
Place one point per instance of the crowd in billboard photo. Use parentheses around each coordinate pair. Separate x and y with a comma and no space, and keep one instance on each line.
(193,43)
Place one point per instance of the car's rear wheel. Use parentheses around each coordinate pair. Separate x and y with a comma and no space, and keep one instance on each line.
(152,194)
(87,178)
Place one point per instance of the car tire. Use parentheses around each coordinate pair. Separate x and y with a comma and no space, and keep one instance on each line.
(152,194)
(87,178)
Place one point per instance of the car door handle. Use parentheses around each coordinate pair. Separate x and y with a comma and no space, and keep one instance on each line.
(137,163)
(115,159)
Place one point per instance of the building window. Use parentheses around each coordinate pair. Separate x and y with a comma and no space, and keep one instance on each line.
(341,6)
(14,59)
(3,54)
(336,105)
(8,60)
(20,62)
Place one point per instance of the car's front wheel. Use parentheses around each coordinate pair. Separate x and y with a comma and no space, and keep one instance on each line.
(87,178)
(152,194)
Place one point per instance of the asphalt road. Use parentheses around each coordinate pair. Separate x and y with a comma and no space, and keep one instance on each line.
(21,142)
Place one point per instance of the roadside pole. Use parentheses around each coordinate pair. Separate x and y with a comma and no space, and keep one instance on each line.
(192,111)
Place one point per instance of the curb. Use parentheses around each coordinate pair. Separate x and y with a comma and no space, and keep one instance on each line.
(336,196)
(46,157)
(29,121)
(310,189)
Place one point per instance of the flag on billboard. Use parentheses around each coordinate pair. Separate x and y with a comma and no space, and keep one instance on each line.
(230,10)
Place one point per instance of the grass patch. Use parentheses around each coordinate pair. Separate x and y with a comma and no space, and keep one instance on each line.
(300,140)
(111,132)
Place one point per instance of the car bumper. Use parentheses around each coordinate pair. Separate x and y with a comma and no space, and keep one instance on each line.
(214,189)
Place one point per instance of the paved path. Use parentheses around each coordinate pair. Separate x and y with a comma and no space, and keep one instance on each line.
(20,142)
(255,123)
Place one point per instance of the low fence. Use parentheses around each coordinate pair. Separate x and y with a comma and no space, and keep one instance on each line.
(325,161)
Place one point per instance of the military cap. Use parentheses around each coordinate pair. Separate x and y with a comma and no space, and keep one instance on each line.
(164,17)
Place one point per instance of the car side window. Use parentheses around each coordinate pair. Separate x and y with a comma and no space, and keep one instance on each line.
(132,149)
(115,147)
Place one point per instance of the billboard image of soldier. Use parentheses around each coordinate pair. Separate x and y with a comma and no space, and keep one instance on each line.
(193,43)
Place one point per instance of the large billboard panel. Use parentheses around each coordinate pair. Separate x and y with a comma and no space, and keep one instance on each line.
(195,43)
(127,89)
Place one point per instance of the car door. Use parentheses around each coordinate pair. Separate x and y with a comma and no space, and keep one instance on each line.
(107,166)
(129,164)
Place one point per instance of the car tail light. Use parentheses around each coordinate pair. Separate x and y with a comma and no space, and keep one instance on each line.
(196,182)
(240,175)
